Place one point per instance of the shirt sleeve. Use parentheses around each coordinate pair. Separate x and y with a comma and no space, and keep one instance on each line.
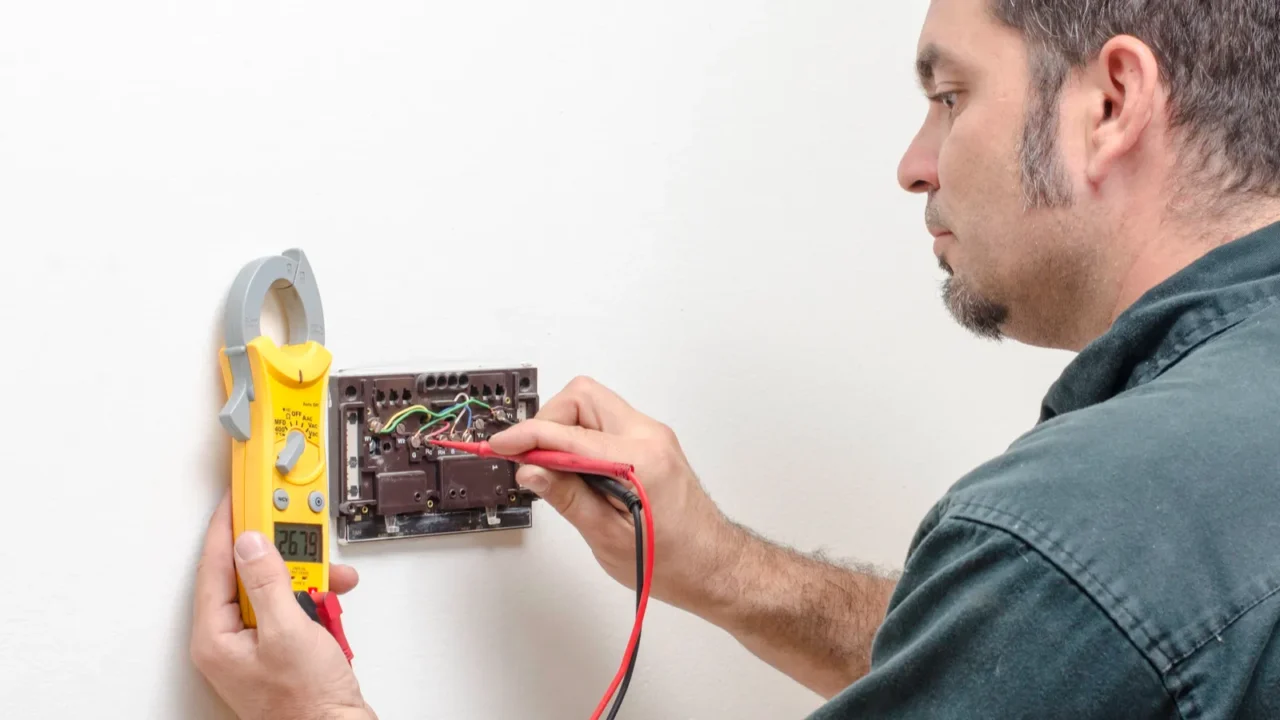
(983,626)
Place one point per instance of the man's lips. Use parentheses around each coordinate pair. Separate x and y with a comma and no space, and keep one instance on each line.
(940,239)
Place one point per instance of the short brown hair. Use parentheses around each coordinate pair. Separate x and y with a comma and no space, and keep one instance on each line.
(1218,59)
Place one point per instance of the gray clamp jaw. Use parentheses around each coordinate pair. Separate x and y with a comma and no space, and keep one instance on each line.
(244,323)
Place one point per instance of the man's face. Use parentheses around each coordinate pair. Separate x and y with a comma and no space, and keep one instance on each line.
(1018,247)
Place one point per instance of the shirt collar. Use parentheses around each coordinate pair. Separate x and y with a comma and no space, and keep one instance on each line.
(1217,291)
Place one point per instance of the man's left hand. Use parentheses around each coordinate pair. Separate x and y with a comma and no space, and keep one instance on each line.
(289,667)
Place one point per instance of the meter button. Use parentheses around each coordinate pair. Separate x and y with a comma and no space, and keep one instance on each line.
(316,501)
(294,444)
(281,499)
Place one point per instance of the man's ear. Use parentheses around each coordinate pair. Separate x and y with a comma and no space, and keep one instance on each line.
(1124,81)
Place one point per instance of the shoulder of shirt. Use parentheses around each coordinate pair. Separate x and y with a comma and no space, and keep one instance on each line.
(1137,498)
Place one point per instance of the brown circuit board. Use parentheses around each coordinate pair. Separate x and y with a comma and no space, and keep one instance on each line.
(386,481)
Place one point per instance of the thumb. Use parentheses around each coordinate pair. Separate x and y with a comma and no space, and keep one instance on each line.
(569,496)
(267,583)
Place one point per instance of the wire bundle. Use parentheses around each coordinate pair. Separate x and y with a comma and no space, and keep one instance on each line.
(466,403)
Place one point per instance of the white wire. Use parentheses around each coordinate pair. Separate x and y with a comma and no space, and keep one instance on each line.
(460,397)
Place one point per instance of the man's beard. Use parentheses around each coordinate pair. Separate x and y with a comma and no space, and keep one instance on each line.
(977,314)
(1045,185)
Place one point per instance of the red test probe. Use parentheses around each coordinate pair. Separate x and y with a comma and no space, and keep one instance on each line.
(549,459)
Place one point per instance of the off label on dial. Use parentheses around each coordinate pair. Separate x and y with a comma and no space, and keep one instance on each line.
(305,421)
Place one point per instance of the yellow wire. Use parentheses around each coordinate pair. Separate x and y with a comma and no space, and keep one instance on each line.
(400,417)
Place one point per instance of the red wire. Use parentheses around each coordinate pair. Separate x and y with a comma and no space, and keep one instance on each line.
(644,595)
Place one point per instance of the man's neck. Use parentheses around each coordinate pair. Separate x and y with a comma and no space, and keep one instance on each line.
(1177,239)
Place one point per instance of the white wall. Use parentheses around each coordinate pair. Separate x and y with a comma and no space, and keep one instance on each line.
(693,202)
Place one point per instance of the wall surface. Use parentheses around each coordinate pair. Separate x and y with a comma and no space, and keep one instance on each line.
(693,202)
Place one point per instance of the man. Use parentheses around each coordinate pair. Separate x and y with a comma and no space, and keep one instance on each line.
(1102,177)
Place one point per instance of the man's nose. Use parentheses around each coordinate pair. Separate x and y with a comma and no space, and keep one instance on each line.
(918,170)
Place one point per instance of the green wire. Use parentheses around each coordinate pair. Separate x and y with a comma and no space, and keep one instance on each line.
(407,412)
(400,417)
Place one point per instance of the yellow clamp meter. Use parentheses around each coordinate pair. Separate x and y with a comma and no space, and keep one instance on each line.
(279,483)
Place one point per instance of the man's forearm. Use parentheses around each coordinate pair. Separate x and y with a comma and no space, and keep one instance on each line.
(809,618)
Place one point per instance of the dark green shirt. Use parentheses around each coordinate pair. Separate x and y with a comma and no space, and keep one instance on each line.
(1121,559)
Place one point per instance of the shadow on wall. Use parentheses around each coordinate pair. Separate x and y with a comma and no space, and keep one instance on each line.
(187,688)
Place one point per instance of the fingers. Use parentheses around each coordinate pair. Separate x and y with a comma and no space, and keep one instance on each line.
(571,497)
(266,582)
(517,439)
(547,435)
(587,403)
(342,578)
(216,574)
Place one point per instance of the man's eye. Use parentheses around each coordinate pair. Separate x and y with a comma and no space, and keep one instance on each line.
(946,99)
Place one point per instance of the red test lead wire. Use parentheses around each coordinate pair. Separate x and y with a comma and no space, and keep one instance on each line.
(644,593)
(568,462)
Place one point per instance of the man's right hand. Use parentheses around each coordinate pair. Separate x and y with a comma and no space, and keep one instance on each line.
(694,543)
(809,618)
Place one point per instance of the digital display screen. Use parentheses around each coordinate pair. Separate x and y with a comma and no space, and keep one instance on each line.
(298,542)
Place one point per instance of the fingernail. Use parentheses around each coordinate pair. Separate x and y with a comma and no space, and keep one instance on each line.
(251,546)
(537,483)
